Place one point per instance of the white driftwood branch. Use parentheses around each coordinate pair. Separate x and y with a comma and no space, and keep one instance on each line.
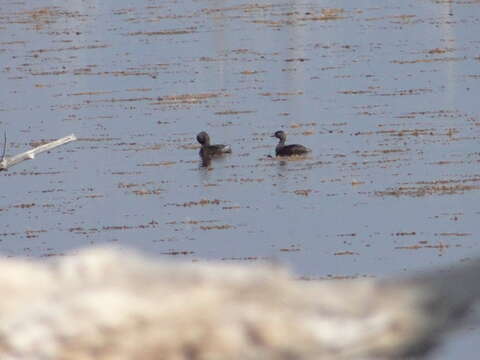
(7,162)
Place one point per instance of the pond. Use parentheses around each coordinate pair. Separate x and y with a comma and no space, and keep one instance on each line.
(384,93)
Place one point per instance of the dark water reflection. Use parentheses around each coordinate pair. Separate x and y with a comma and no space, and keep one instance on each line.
(384,93)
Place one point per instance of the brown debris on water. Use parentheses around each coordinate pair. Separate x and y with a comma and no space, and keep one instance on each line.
(235,112)
(202,202)
(453,234)
(91,230)
(440,247)
(185,31)
(303,192)
(145,192)
(291,248)
(186,98)
(346,252)
(405,233)
(217,227)
(40,18)
(177,252)
(160,163)
(434,187)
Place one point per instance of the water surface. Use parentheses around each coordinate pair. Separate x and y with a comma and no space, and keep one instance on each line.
(385,93)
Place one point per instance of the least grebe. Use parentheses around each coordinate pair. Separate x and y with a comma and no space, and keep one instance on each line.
(288,150)
(211,150)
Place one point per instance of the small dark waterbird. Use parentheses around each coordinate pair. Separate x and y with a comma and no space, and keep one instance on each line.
(288,150)
(209,150)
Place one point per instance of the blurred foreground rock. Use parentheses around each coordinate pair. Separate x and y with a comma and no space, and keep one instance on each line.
(105,304)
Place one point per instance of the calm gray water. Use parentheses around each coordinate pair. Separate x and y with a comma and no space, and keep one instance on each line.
(384,92)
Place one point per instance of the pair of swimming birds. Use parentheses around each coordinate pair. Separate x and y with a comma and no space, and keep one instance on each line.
(280,150)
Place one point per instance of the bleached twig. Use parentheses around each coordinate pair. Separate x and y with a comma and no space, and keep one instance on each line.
(7,162)
(4,145)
